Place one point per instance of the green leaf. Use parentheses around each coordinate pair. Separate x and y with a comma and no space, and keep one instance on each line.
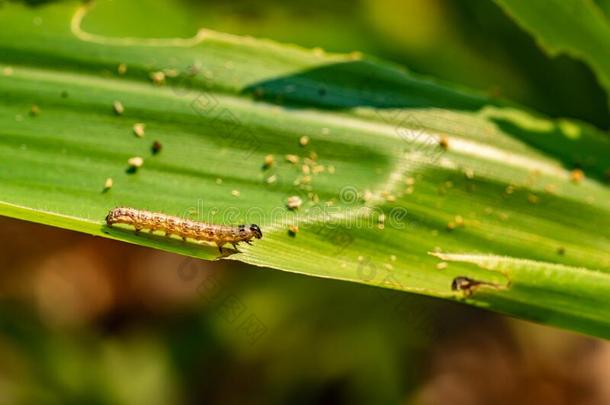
(585,284)
(574,27)
(380,193)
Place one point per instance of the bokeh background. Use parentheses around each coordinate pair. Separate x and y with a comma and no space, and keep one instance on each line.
(86,320)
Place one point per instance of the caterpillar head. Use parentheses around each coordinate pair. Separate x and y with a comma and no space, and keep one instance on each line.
(256,231)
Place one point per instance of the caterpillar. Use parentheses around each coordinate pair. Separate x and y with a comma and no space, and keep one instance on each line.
(185,228)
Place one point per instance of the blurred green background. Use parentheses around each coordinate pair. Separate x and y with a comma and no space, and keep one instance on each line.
(469,42)
(84,320)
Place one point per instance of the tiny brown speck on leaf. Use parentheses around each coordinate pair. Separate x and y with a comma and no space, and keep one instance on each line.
(108,184)
(268,162)
(34,110)
(135,162)
(294,159)
(138,129)
(171,73)
(533,199)
(118,108)
(459,220)
(156,147)
(294,202)
(443,142)
(577,176)
(550,188)
(158,78)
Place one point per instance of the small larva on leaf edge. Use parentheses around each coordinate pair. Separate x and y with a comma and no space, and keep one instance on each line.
(185,228)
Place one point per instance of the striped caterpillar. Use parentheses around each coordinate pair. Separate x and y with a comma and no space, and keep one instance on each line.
(185,228)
